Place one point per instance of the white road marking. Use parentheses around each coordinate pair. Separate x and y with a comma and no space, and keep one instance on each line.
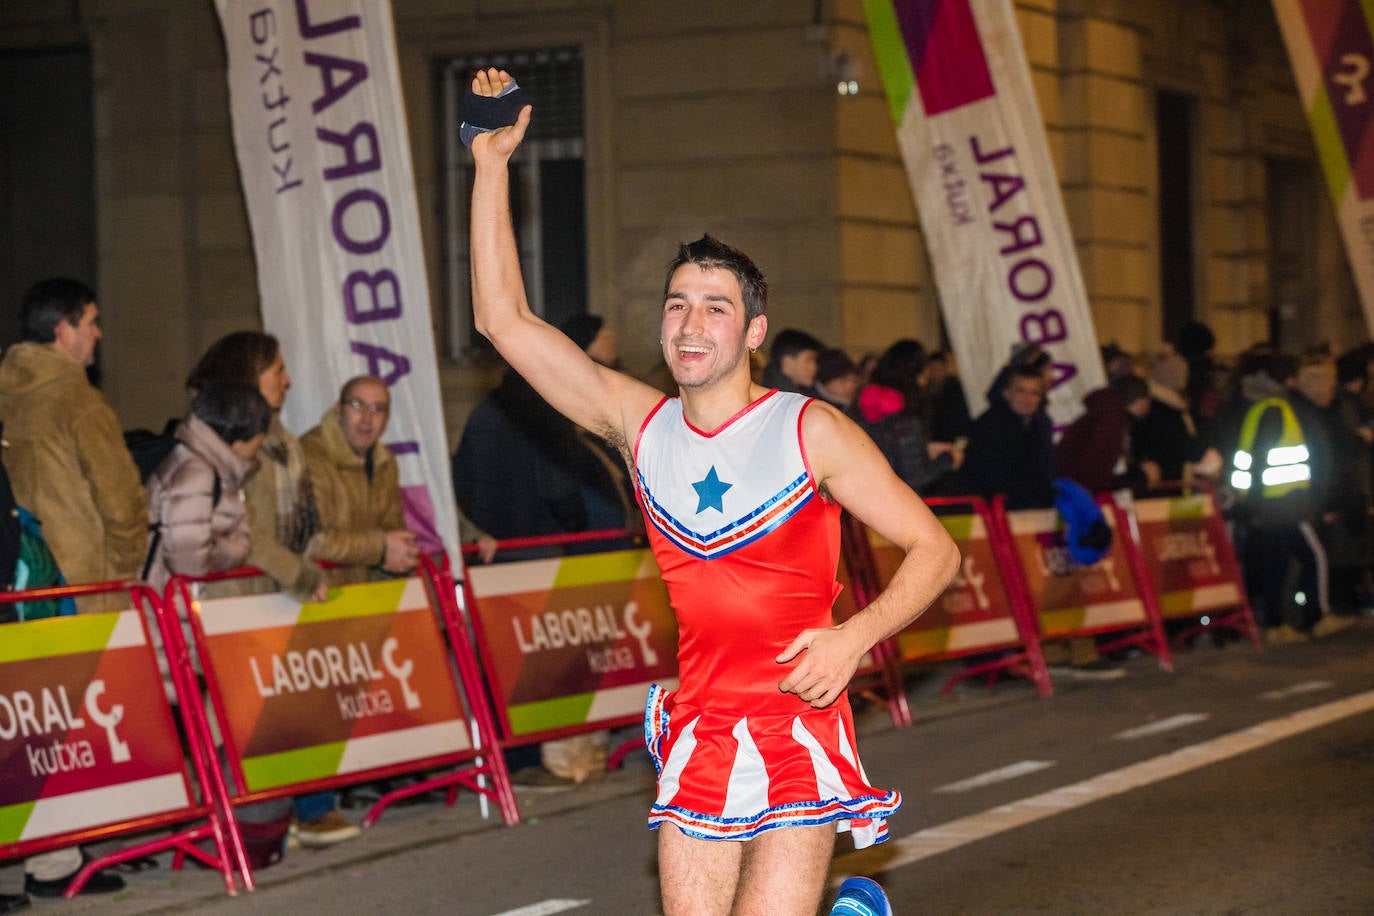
(1163,725)
(546,908)
(935,840)
(1015,770)
(1296,689)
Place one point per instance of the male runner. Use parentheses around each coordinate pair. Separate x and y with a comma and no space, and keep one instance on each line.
(742,487)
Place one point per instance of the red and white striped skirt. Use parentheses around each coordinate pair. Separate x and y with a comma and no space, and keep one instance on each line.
(722,776)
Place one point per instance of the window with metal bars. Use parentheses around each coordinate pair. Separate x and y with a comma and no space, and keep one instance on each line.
(548,196)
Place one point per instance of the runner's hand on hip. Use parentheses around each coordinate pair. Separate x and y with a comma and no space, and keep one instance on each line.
(825,669)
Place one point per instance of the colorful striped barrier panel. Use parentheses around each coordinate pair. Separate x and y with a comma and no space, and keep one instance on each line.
(1113,595)
(571,644)
(1192,565)
(359,687)
(88,747)
(980,613)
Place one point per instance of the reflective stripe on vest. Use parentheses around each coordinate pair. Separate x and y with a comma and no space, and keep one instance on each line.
(1285,466)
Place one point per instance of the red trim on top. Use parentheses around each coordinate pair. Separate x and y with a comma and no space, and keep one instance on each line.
(639,436)
(722,427)
(801,444)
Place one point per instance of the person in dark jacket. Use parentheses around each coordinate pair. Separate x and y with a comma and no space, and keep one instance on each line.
(1095,450)
(792,362)
(837,379)
(946,406)
(1332,484)
(1195,343)
(1351,550)
(890,411)
(1166,434)
(1011,447)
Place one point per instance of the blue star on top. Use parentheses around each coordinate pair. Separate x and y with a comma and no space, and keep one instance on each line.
(710,492)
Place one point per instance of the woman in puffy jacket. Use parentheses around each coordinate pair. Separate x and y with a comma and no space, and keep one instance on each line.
(196,510)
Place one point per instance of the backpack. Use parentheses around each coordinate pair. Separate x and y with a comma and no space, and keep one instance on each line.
(1088,535)
(10,538)
(149,448)
(37,568)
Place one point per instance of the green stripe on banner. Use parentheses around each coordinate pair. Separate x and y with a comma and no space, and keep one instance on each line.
(1188,507)
(272,770)
(617,566)
(57,636)
(13,819)
(1330,149)
(1176,603)
(1054,623)
(959,527)
(537,717)
(1368,7)
(356,601)
(889,51)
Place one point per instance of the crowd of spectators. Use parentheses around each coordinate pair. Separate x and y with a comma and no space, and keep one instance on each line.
(226,486)
(1164,423)
(234,487)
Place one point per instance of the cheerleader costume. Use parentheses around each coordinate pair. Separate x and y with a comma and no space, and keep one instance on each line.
(748,550)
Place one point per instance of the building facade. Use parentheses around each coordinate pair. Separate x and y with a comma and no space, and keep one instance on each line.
(1188,172)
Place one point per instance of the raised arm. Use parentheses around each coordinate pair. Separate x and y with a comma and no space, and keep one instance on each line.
(592,396)
(851,471)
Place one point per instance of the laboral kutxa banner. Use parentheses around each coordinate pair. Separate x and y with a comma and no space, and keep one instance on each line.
(574,640)
(312,691)
(86,736)
(1331,48)
(320,132)
(970,132)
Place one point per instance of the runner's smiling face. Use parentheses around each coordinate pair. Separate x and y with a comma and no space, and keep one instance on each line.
(705,337)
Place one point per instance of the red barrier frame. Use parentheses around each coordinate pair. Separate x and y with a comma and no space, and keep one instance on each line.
(490,765)
(220,829)
(1147,636)
(857,556)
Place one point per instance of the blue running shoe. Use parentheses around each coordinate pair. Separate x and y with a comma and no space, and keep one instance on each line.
(861,897)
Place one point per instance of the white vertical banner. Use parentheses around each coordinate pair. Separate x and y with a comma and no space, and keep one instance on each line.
(975,151)
(324,153)
(1331,47)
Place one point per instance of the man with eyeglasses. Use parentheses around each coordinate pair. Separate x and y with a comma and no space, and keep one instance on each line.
(357,484)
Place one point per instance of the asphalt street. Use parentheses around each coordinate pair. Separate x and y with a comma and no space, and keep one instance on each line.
(1243,782)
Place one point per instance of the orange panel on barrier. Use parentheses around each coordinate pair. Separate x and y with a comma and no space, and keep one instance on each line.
(81,743)
(1182,554)
(974,613)
(1072,599)
(573,643)
(316,691)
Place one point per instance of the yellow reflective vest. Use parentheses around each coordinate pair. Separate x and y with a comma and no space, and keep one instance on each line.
(1281,468)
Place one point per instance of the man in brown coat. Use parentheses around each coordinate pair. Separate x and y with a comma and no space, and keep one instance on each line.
(69,467)
(66,455)
(357,486)
(357,483)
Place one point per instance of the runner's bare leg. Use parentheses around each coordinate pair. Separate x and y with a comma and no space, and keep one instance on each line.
(697,877)
(785,871)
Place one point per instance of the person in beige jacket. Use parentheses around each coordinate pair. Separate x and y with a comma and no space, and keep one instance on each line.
(68,465)
(357,483)
(66,457)
(357,487)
